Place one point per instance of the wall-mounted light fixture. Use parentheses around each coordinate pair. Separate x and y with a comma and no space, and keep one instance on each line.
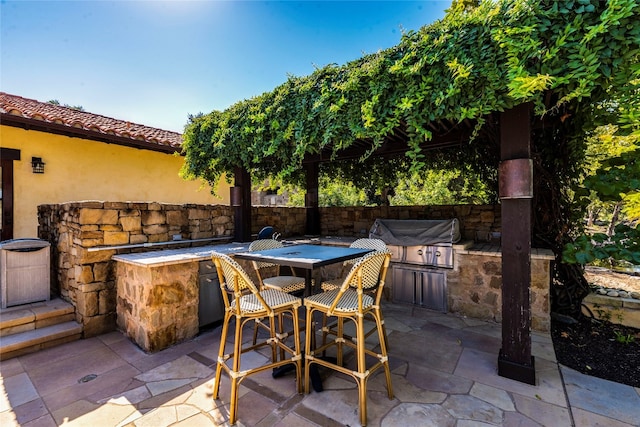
(37,164)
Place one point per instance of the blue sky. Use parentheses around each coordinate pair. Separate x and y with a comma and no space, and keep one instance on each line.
(155,62)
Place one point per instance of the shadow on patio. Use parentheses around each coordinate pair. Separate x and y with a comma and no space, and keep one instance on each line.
(443,372)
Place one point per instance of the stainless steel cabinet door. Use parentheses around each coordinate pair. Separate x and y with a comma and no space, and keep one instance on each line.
(210,305)
(424,287)
(434,290)
(405,285)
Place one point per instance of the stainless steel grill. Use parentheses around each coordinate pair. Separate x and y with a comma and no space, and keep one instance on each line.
(420,242)
(431,255)
(421,251)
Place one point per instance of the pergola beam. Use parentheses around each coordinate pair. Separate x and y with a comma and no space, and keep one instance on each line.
(241,202)
(516,193)
(311,200)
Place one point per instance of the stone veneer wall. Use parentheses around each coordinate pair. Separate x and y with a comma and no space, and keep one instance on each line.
(474,286)
(158,307)
(86,277)
(475,220)
(286,221)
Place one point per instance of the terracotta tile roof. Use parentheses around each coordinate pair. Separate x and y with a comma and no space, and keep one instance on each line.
(81,123)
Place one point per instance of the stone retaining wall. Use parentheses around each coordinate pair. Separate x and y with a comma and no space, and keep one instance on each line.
(286,221)
(623,311)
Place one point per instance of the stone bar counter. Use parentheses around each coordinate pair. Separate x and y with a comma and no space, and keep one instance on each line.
(158,293)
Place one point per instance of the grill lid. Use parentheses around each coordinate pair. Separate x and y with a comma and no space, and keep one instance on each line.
(416,232)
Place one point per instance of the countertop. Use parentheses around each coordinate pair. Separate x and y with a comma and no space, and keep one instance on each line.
(163,257)
(177,256)
(495,250)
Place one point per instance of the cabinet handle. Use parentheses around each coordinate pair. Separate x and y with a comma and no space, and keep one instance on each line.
(438,253)
(415,290)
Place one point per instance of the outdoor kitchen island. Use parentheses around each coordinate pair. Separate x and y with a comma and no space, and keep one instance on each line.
(159,293)
(163,296)
(434,267)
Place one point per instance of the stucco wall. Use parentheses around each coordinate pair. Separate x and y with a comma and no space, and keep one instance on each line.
(80,169)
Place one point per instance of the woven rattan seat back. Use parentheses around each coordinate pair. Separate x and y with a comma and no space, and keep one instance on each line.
(375,244)
(367,269)
(365,243)
(234,275)
(262,244)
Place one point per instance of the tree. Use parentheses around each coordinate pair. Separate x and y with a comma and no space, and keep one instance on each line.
(73,107)
(615,180)
(605,143)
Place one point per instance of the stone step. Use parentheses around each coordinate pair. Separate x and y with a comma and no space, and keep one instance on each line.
(37,339)
(32,327)
(37,315)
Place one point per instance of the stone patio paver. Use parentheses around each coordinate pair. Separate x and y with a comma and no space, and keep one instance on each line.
(612,400)
(443,374)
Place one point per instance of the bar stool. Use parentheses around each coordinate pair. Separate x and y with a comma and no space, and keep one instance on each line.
(352,302)
(366,243)
(290,284)
(329,285)
(245,307)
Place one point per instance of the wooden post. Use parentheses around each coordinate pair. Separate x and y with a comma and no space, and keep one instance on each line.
(311,200)
(7,157)
(241,202)
(516,175)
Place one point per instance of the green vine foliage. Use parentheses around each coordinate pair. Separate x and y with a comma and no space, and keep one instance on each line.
(617,179)
(570,59)
(474,62)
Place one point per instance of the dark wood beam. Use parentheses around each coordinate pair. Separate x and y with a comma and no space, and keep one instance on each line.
(311,200)
(7,157)
(515,360)
(391,147)
(241,202)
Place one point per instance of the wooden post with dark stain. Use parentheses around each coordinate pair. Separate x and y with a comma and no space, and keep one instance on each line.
(7,157)
(515,360)
(311,200)
(242,208)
